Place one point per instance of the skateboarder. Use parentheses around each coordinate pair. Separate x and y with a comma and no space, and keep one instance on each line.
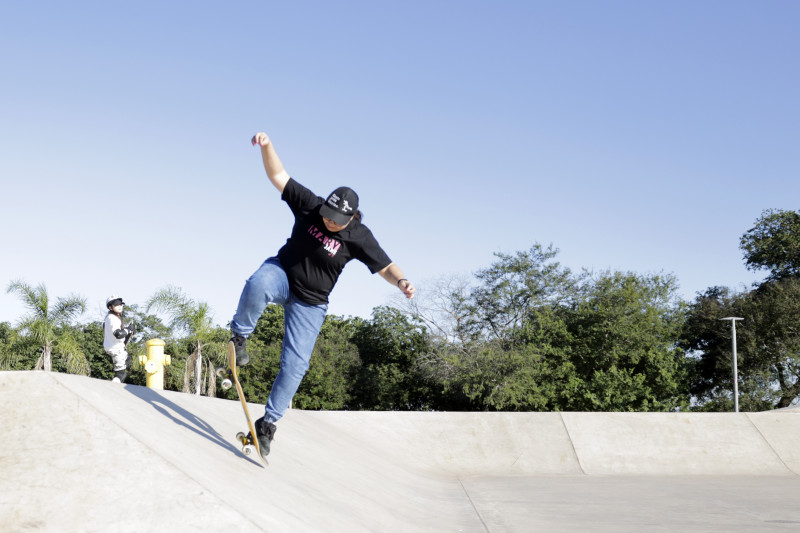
(327,233)
(116,337)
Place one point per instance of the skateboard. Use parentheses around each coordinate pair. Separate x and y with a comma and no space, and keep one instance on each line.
(248,441)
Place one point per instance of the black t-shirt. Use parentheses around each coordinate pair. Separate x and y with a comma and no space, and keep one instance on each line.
(313,257)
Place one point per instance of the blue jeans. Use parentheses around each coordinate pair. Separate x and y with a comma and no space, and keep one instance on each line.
(302,323)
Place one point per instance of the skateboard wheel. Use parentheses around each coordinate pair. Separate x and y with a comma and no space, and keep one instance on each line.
(226,384)
(221,371)
(249,449)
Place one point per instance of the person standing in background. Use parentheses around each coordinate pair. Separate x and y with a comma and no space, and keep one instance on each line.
(116,337)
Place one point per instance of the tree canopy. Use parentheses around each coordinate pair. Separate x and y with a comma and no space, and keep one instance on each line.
(525,333)
(774,244)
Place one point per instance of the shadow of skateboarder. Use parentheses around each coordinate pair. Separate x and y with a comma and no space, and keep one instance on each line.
(183,418)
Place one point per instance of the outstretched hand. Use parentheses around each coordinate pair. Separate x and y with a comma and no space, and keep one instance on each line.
(407,288)
(261,139)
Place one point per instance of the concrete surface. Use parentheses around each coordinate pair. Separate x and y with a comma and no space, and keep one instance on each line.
(80,454)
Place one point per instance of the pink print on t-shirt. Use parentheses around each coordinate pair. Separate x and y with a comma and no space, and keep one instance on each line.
(331,245)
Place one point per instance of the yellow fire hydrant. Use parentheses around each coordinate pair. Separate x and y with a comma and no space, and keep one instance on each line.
(154,363)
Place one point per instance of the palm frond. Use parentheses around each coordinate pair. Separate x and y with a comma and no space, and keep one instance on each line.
(68,308)
(176,305)
(34,299)
(68,348)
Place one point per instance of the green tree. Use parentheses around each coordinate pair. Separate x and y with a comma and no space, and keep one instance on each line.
(771,344)
(332,369)
(492,377)
(17,352)
(623,344)
(707,340)
(49,326)
(492,341)
(390,346)
(148,326)
(90,338)
(194,319)
(514,286)
(767,338)
(546,378)
(768,346)
(613,349)
(774,244)
(9,357)
(547,339)
(470,355)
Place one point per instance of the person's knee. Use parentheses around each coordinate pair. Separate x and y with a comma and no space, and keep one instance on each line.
(264,289)
(254,284)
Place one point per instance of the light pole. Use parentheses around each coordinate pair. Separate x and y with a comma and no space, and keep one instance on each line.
(733,320)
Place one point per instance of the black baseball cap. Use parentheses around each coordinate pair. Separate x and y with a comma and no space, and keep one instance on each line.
(340,206)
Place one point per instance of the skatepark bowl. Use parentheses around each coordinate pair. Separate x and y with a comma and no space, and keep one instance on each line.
(81,454)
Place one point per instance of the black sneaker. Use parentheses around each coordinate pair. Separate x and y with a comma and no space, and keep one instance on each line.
(265,432)
(240,344)
(119,376)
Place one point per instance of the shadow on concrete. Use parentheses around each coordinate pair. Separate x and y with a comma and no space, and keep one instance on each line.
(184,418)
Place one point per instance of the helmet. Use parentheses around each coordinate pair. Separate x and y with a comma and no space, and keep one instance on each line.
(114,300)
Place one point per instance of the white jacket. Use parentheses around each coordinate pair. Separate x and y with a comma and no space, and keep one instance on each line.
(111,324)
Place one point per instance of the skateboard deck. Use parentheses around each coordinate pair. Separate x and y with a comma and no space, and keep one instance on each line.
(249,441)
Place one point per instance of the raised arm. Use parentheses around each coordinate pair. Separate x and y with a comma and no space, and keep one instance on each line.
(272,163)
(394,275)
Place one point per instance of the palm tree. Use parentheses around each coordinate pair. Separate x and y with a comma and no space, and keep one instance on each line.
(44,325)
(195,319)
(9,356)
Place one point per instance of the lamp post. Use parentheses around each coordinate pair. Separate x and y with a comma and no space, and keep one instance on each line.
(733,320)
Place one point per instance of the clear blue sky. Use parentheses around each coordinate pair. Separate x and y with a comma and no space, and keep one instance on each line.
(636,136)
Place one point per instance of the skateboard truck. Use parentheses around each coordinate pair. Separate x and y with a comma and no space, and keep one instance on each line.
(226,374)
(248,446)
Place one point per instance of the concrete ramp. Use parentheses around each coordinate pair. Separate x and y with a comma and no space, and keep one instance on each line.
(80,454)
